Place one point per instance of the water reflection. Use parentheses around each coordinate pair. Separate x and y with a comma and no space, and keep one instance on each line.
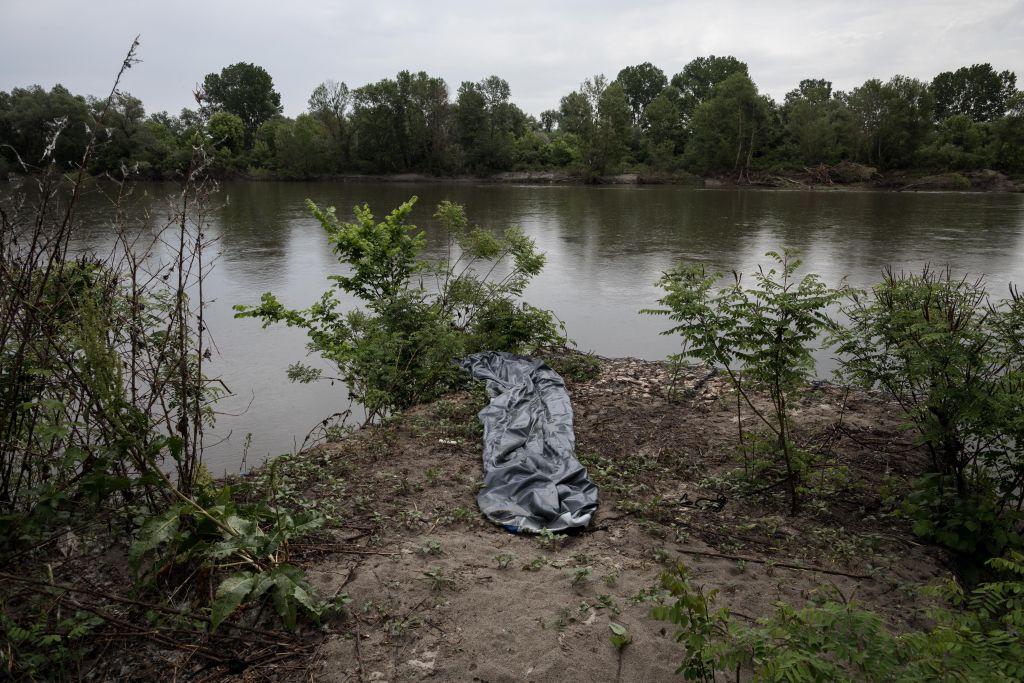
(605,245)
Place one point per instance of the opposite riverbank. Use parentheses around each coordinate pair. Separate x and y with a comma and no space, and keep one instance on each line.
(845,176)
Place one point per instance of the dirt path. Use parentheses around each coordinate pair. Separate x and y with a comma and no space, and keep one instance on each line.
(439,593)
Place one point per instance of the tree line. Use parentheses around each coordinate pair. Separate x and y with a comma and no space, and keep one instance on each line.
(708,119)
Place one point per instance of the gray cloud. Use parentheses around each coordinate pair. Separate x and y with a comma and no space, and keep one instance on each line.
(544,49)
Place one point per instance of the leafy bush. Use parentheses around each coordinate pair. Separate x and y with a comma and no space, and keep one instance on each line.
(952,359)
(398,349)
(977,636)
(214,532)
(975,526)
(761,337)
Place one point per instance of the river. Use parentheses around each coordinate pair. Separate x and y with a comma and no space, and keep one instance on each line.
(605,247)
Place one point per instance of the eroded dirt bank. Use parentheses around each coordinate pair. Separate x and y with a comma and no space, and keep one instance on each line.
(439,593)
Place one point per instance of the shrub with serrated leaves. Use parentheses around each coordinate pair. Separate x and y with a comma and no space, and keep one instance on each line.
(975,636)
(416,315)
(953,359)
(760,336)
(48,648)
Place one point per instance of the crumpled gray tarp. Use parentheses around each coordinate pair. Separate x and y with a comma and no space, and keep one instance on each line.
(532,479)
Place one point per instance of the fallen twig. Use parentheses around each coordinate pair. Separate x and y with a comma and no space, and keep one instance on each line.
(774,563)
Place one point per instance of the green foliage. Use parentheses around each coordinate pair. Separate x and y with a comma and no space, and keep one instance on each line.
(227,137)
(32,118)
(977,92)
(951,358)
(959,143)
(698,79)
(48,648)
(818,123)
(576,115)
(977,636)
(665,135)
(620,636)
(609,143)
(288,589)
(487,124)
(398,350)
(707,119)
(728,128)
(214,532)
(892,120)
(761,337)
(301,148)
(401,124)
(699,625)
(245,90)
(226,131)
(975,526)
(641,84)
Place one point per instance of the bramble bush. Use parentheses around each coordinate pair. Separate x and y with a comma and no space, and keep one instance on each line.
(416,315)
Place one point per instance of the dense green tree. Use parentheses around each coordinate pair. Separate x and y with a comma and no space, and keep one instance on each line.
(427,120)
(641,83)
(378,128)
(123,133)
(226,132)
(402,124)
(607,147)
(576,115)
(893,120)
(698,79)
(264,149)
(818,125)
(245,90)
(710,119)
(301,148)
(225,135)
(664,137)
(39,126)
(166,147)
(959,143)
(729,128)
(329,104)
(549,120)
(487,124)
(1006,148)
(978,92)
(564,150)
(530,150)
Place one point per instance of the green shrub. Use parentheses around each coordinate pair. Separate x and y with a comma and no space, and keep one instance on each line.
(398,349)
(952,359)
(977,636)
(761,337)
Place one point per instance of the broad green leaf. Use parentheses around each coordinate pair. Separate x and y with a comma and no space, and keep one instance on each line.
(230,594)
(154,532)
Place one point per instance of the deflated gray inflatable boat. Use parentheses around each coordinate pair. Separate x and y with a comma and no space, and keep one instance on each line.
(532,479)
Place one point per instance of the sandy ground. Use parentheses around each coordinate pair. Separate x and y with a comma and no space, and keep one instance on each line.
(439,593)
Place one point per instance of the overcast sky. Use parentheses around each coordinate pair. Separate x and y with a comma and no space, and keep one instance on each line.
(544,49)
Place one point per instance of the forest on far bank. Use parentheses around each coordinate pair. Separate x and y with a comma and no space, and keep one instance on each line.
(708,120)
